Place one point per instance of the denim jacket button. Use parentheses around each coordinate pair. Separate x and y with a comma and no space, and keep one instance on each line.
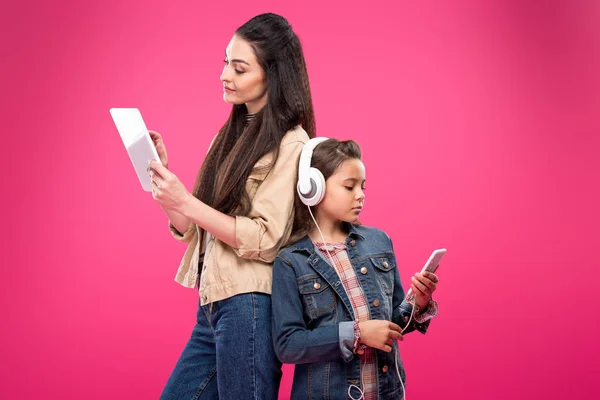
(363,270)
(353,243)
(385,368)
(405,318)
(385,264)
(317,285)
(376,302)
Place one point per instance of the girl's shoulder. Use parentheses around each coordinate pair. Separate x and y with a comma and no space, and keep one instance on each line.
(371,233)
(374,239)
(299,249)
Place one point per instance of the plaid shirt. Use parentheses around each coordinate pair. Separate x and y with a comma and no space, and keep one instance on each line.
(360,306)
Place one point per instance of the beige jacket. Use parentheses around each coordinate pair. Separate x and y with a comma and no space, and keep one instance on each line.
(227,271)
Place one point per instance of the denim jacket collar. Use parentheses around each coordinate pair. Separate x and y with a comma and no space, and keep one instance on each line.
(306,244)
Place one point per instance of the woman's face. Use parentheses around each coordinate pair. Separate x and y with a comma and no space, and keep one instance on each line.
(244,80)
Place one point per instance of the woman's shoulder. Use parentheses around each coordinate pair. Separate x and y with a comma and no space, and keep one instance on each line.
(295,135)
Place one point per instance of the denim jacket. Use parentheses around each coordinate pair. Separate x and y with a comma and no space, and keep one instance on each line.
(313,317)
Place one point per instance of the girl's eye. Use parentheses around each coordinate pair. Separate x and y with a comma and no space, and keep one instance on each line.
(349,187)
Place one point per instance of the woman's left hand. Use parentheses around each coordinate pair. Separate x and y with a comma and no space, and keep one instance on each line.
(167,189)
(423,285)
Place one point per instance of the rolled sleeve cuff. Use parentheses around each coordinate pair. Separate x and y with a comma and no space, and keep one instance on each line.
(431,311)
(247,238)
(182,237)
(346,340)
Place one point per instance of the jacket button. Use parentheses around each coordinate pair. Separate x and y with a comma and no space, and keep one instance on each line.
(376,302)
(385,368)
(317,285)
(353,243)
(363,270)
(385,264)
(405,318)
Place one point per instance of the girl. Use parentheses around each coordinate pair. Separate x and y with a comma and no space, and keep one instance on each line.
(239,214)
(338,304)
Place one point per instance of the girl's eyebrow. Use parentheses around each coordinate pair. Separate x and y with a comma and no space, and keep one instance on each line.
(354,180)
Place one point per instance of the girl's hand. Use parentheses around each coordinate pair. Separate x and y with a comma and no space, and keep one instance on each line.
(160,148)
(423,285)
(379,334)
(167,189)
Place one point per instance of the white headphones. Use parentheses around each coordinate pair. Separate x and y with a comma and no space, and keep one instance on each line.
(311,183)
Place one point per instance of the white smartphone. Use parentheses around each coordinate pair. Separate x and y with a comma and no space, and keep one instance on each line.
(137,141)
(432,264)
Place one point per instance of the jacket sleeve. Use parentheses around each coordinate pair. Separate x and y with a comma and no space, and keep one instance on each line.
(294,343)
(260,236)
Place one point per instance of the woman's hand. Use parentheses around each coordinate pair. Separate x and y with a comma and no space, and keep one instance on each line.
(167,189)
(423,285)
(160,148)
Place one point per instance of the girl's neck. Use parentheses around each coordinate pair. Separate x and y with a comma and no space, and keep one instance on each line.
(333,231)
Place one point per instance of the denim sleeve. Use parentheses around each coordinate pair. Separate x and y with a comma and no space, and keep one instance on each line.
(402,309)
(294,343)
(347,340)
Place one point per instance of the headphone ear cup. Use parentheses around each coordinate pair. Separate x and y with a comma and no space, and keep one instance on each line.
(317,188)
(317,183)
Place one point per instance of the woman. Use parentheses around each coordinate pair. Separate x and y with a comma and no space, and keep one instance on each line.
(239,214)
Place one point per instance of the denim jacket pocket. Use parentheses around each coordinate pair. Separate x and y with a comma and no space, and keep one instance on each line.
(384,267)
(317,295)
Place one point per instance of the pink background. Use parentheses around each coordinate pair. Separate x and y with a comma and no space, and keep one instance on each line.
(478,122)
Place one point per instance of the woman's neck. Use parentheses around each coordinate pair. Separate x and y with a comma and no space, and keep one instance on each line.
(256,105)
(249,117)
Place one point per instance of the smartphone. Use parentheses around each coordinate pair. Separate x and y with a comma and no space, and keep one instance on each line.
(433,263)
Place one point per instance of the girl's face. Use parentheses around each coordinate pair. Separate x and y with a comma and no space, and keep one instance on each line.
(344,193)
(244,80)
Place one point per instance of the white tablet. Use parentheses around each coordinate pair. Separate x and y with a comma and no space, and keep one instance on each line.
(137,141)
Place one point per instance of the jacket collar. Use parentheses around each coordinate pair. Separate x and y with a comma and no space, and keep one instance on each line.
(306,244)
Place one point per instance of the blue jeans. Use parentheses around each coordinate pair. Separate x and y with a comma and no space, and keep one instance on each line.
(230,353)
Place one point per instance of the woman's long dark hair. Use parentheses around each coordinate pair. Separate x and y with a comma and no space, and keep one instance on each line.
(327,158)
(221,182)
